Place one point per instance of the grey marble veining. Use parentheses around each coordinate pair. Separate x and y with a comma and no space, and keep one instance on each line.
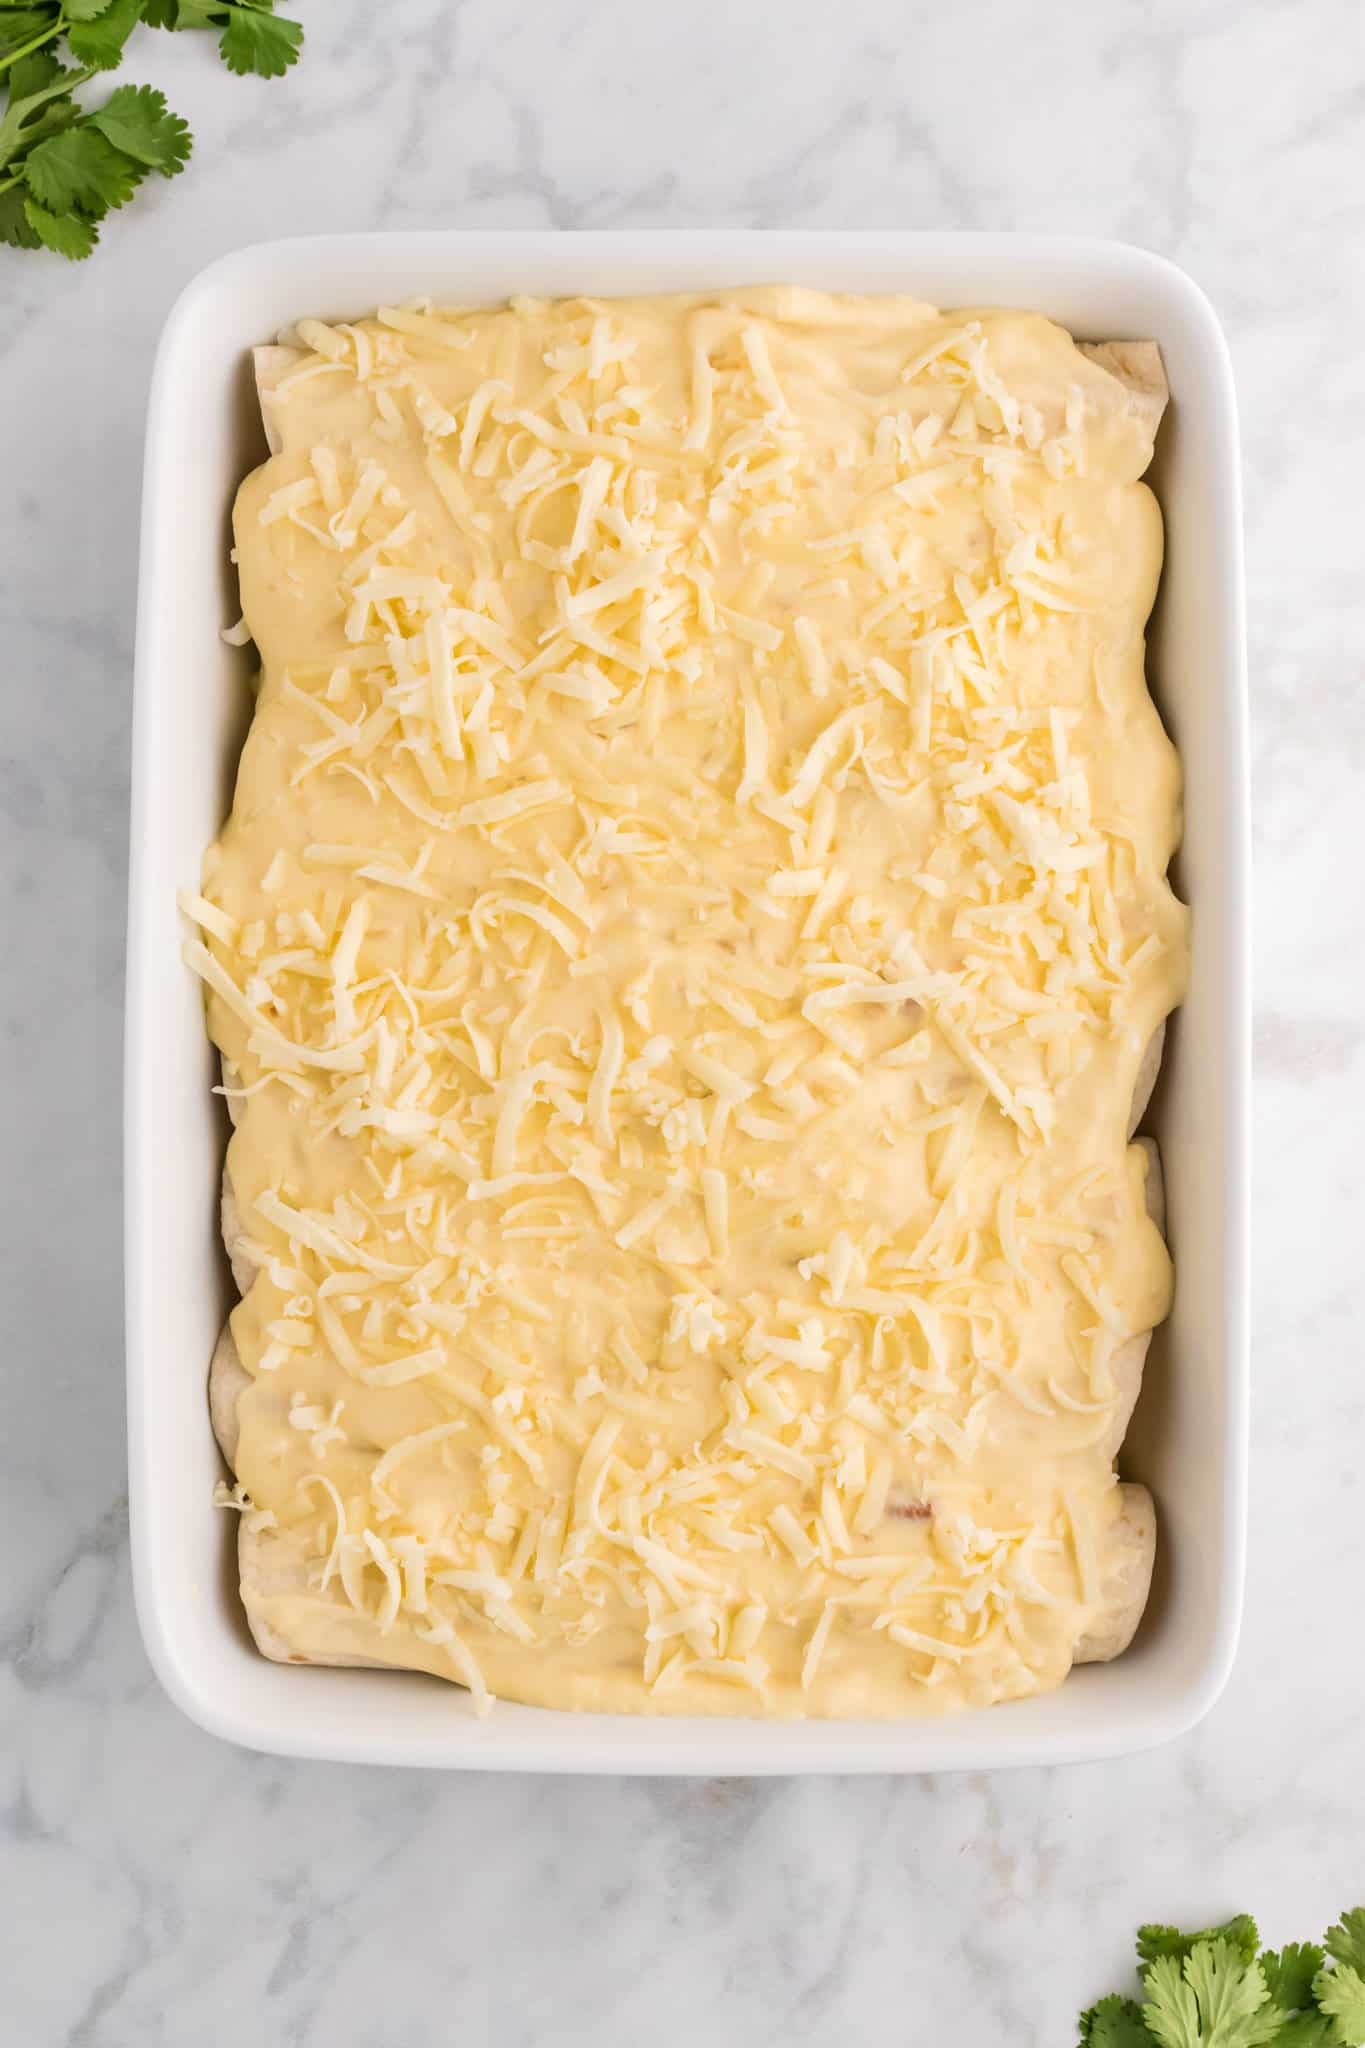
(160,1888)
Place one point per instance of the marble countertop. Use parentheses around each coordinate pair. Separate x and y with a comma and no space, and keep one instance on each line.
(162,1888)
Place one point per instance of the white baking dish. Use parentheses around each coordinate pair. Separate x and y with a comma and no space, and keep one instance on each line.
(1190,1438)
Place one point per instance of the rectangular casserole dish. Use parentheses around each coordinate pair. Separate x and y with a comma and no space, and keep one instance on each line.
(191,705)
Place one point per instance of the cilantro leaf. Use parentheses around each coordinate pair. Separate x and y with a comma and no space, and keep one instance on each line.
(252,37)
(1311,2029)
(100,43)
(58,115)
(1341,1993)
(257,42)
(1289,1974)
(1114,2023)
(1211,1990)
(1240,1932)
(1346,1941)
(69,234)
(81,172)
(20,26)
(136,119)
(178,14)
(1171,2012)
(14,224)
(30,74)
(1231,1994)
(1308,2030)
(1213,1998)
(24,117)
(63,168)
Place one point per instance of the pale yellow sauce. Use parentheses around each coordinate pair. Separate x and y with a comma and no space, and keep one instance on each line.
(764,1324)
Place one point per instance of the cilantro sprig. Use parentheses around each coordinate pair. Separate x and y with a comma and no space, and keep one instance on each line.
(65,166)
(1220,1989)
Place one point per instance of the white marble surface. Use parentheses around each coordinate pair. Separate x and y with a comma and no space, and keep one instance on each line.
(160,1888)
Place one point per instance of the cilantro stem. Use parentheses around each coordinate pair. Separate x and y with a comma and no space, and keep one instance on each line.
(47,35)
(79,162)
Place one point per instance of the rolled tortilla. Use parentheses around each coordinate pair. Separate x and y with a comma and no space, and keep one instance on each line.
(1129,1360)
(242,1259)
(1149,1066)
(228,1379)
(1138,366)
(1155,1190)
(272,1564)
(269,1569)
(269,364)
(232,1081)
(1132,1553)
(1127,1578)
(274,1573)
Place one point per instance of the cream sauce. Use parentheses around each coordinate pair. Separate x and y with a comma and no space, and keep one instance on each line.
(693,1196)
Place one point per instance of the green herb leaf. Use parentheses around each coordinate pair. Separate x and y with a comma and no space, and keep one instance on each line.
(136,119)
(1232,1995)
(1210,1990)
(14,222)
(69,234)
(20,25)
(1341,1992)
(63,168)
(1310,2029)
(100,43)
(30,74)
(252,38)
(178,14)
(1240,1932)
(1289,1974)
(264,44)
(81,172)
(58,115)
(1171,2012)
(24,116)
(1215,1998)
(1114,2023)
(1345,1942)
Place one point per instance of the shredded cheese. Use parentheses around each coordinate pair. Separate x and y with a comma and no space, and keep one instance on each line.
(690,919)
